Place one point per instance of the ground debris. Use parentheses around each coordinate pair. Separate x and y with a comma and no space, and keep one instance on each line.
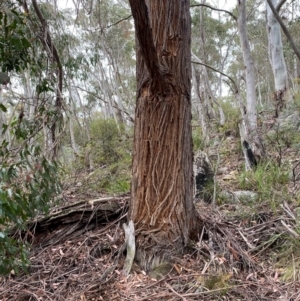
(230,261)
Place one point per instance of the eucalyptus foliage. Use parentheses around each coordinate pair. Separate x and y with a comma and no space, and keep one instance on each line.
(28,180)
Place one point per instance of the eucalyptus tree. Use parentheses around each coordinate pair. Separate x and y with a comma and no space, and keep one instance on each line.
(249,131)
(209,44)
(258,40)
(29,180)
(292,59)
(284,28)
(161,204)
(251,140)
(277,59)
(108,37)
(286,14)
(36,16)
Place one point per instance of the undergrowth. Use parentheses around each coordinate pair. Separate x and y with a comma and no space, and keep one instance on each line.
(105,159)
(233,117)
(287,258)
(269,180)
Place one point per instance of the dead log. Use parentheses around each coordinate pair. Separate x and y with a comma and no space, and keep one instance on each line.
(69,221)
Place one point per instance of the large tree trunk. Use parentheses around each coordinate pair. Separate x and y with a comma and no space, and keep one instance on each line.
(277,59)
(162,174)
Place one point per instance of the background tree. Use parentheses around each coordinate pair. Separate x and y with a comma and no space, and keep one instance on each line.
(250,136)
(277,59)
(28,180)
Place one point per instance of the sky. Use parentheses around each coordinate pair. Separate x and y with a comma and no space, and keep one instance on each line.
(223,4)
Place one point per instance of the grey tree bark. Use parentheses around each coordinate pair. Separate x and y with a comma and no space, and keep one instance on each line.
(251,140)
(199,106)
(277,59)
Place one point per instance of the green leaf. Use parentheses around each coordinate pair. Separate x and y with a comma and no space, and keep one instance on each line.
(3,107)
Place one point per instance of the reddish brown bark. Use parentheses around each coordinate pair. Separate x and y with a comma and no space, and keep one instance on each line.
(162,178)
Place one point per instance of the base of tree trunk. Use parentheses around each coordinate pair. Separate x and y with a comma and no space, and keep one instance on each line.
(154,251)
(152,256)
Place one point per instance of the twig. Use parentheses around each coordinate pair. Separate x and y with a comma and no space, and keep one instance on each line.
(286,208)
(171,288)
(111,268)
(246,241)
(212,291)
(218,71)
(289,229)
(124,19)
(294,173)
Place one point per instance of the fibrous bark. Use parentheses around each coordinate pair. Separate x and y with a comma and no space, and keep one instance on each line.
(162,176)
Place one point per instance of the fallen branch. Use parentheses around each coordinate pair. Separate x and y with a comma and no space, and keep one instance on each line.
(71,220)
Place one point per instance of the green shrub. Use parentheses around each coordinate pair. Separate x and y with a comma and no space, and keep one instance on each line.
(110,151)
(106,141)
(233,117)
(28,183)
(297,98)
(197,138)
(282,136)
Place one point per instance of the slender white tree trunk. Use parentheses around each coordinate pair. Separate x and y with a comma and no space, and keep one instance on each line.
(249,67)
(251,141)
(211,94)
(208,106)
(199,106)
(30,106)
(3,121)
(75,97)
(277,59)
(72,136)
(296,81)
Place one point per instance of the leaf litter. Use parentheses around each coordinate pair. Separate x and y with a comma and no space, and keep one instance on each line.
(233,259)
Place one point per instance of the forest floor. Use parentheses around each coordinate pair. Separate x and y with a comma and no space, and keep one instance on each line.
(251,251)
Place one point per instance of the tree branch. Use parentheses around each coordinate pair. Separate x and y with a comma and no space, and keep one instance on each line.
(50,47)
(54,56)
(144,36)
(230,78)
(116,23)
(217,9)
(105,101)
(284,29)
(279,5)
